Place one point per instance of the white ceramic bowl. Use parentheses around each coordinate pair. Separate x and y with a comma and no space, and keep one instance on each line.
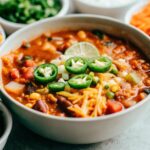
(77,130)
(116,12)
(11,27)
(6,116)
(134,10)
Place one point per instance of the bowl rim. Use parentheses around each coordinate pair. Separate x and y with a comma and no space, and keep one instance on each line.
(62,12)
(133,10)
(8,120)
(108,8)
(69,119)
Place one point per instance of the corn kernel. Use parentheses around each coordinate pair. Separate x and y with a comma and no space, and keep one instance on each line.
(51,98)
(81,34)
(29,105)
(115,88)
(49,47)
(35,96)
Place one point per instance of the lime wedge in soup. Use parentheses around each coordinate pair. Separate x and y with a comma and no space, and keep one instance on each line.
(82,49)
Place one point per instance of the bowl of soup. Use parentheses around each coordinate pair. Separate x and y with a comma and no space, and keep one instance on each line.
(5,125)
(76,79)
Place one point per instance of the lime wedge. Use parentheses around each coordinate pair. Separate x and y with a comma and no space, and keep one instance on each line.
(82,49)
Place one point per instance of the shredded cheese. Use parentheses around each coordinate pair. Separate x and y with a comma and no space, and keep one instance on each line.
(87,102)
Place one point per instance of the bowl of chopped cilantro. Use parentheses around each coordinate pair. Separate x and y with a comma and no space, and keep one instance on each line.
(15,14)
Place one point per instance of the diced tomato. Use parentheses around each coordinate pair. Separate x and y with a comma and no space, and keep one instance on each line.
(28,74)
(29,63)
(114,106)
(14,73)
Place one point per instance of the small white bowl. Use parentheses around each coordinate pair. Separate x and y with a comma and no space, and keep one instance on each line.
(133,10)
(115,12)
(6,116)
(11,27)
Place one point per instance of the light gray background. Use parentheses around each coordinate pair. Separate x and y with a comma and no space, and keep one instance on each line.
(136,138)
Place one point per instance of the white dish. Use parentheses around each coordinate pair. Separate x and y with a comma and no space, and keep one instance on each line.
(11,27)
(116,12)
(77,130)
(7,125)
(134,10)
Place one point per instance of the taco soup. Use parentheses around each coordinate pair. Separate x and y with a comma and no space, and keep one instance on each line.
(76,74)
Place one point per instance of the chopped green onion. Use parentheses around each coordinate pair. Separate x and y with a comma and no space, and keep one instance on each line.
(106,86)
(110,95)
(133,78)
(113,69)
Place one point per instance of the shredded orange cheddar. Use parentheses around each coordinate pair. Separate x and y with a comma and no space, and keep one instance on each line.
(141,19)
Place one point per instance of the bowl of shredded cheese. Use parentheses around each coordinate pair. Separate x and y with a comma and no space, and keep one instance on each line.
(139,16)
(112,8)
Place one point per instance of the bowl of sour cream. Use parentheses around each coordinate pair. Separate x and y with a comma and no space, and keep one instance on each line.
(111,8)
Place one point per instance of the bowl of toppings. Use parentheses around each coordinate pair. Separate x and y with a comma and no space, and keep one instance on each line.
(72,78)
(116,9)
(15,14)
(139,16)
(5,125)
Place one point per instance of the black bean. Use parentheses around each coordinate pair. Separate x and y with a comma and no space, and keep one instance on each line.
(98,34)
(26,45)
(30,88)
(147,91)
(49,38)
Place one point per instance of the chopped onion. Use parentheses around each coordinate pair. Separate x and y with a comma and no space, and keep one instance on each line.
(14,87)
(56,61)
(61,69)
(65,76)
(61,80)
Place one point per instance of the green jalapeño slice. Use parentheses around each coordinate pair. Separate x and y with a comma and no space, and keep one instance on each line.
(45,73)
(76,65)
(56,86)
(100,64)
(80,81)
